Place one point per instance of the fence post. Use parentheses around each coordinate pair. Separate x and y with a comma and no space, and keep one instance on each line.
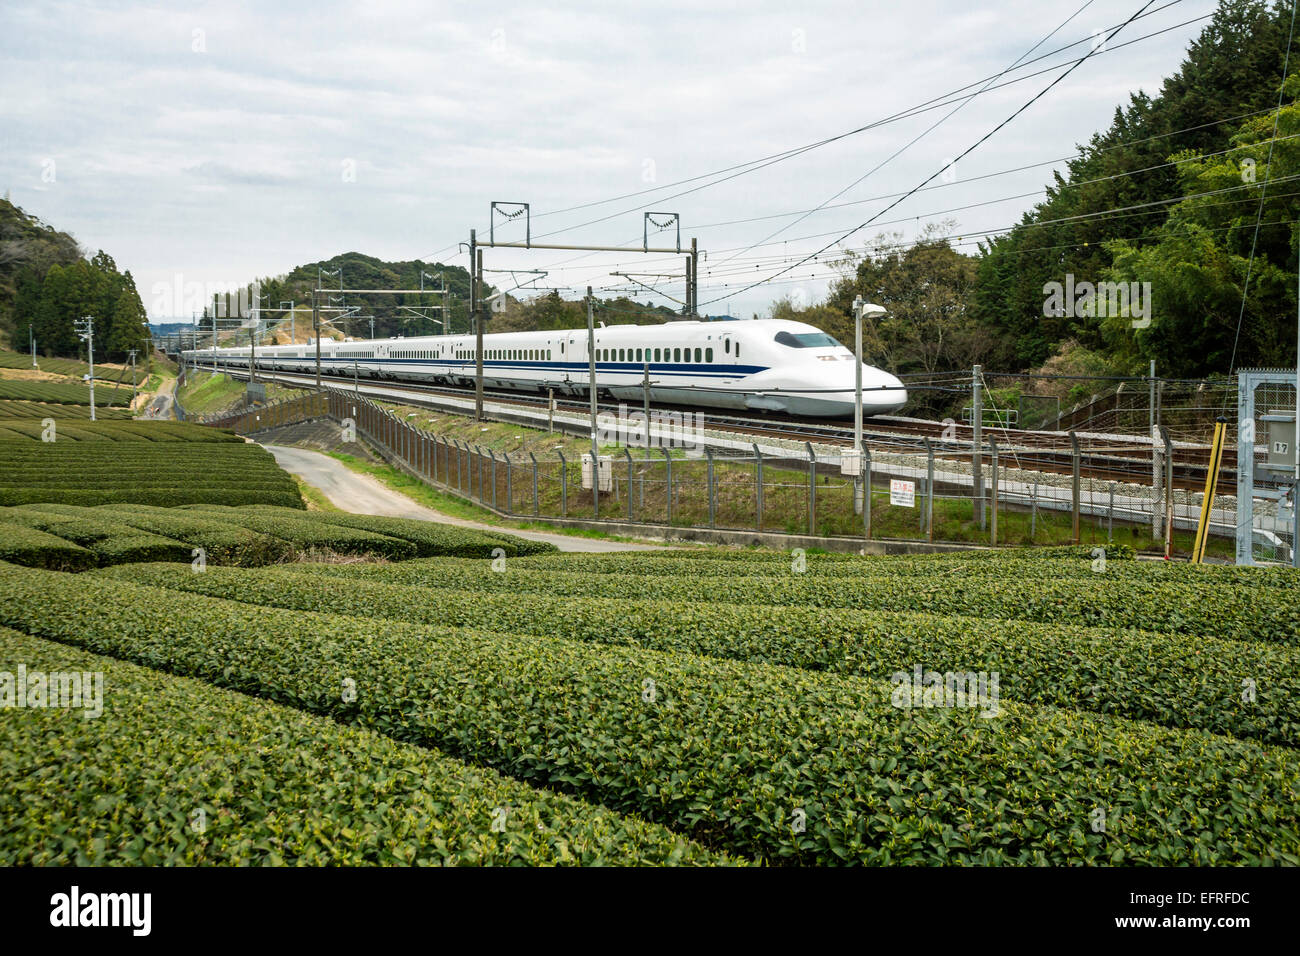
(564,484)
(1169,491)
(478,464)
(758,510)
(929,490)
(1110,516)
(866,492)
(1033,512)
(1074,483)
(708,454)
(536,506)
(509,475)
(668,485)
(628,454)
(812,488)
(493,455)
(993,491)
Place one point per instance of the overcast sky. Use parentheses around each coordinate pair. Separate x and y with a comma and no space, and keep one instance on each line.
(218,142)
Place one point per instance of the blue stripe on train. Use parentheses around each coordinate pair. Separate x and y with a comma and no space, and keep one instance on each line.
(623,367)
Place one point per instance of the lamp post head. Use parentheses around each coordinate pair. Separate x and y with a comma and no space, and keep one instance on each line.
(868,309)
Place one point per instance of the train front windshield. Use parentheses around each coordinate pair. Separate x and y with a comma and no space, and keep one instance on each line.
(807,340)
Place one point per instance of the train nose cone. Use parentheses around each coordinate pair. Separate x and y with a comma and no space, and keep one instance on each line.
(891,393)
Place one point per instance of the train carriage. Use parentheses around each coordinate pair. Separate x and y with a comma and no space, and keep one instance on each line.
(759,365)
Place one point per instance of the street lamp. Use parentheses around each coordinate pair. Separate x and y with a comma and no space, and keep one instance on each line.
(861,308)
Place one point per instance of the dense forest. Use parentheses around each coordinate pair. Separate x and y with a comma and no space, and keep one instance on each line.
(47,283)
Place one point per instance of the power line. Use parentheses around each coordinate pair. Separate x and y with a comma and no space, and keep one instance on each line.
(928,105)
(914,140)
(970,149)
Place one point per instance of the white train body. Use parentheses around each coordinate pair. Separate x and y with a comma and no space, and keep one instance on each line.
(758,365)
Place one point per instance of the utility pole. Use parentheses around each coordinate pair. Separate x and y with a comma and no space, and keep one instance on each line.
(315,326)
(479,317)
(591,388)
(86,330)
(693,295)
(132,355)
(977,462)
(31,334)
(252,354)
(473,310)
(645,403)
(1155,452)
(214,333)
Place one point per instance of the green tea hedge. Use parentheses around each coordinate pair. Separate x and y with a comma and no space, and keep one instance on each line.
(770,762)
(1187,607)
(224,543)
(307,533)
(177,772)
(21,544)
(432,539)
(1133,674)
(111,542)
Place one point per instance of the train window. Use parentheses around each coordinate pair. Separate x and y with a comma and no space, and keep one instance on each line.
(708,355)
(726,346)
(737,350)
(698,356)
(657,355)
(677,355)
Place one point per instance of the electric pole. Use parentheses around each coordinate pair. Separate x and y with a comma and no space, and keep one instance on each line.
(86,331)
(591,387)
(977,442)
(132,354)
(476,316)
(315,327)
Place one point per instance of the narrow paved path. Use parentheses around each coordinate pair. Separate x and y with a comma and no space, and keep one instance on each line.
(160,407)
(361,494)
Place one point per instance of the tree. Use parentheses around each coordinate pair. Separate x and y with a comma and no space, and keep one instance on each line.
(1230,71)
(1204,318)
(927,286)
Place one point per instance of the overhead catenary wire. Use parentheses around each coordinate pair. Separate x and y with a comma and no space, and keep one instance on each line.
(1063,188)
(928,105)
(970,149)
(924,133)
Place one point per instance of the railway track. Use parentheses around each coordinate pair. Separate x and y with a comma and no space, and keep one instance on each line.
(1112,458)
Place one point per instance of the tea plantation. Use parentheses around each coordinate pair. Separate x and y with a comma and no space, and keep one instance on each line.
(696,707)
(84,463)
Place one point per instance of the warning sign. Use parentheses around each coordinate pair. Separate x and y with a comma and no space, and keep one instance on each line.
(902,493)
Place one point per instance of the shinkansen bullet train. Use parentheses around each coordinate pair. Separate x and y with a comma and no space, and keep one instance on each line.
(757,365)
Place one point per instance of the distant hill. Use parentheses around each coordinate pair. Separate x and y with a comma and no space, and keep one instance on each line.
(47,284)
(27,246)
